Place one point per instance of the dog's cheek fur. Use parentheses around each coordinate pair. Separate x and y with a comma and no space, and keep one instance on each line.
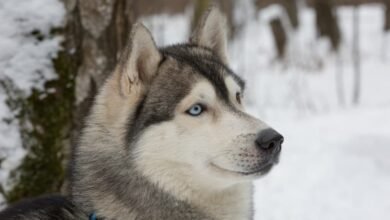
(170,147)
(175,159)
(188,145)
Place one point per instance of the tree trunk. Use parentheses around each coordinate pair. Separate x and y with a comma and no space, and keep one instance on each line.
(280,36)
(292,12)
(356,56)
(340,80)
(326,20)
(387,15)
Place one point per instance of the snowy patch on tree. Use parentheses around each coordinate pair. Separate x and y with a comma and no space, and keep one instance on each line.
(26,54)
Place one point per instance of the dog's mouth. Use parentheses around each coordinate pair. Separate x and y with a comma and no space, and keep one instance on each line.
(258,171)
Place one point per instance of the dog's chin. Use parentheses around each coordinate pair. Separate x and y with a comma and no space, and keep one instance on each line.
(243,174)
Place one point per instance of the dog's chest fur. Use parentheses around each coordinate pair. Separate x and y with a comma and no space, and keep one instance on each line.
(234,203)
(229,206)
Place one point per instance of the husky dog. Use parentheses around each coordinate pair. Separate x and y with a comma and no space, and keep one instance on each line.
(167,138)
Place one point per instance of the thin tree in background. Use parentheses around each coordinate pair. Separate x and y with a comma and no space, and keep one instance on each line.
(339,73)
(340,79)
(356,56)
(387,15)
(281,33)
(326,22)
(386,28)
(292,12)
(280,37)
(327,26)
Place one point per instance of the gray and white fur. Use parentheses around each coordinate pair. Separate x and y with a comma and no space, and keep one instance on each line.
(144,154)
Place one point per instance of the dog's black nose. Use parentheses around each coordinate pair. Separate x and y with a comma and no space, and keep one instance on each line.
(269,139)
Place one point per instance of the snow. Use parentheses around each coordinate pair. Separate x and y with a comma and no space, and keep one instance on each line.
(334,161)
(165,34)
(26,61)
(23,57)
(333,166)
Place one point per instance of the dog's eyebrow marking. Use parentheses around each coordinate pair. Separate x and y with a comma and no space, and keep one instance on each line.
(206,63)
(239,81)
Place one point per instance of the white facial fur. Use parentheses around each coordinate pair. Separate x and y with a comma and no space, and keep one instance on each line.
(216,145)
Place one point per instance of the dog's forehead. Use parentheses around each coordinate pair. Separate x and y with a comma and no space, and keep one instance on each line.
(204,63)
(179,73)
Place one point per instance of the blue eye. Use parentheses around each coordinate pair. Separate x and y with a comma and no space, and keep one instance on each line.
(195,110)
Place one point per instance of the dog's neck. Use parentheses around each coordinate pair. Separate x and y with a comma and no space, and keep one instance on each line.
(220,199)
(130,195)
(117,190)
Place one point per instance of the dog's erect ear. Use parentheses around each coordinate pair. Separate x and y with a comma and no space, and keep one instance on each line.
(211,32)
(140,61)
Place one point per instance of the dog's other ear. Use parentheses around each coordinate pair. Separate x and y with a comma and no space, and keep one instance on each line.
(212,32)
(139,63)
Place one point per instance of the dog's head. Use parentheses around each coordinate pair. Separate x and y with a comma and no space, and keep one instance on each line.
(184,112)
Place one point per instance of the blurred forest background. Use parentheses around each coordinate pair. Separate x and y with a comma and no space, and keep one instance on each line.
(322,63)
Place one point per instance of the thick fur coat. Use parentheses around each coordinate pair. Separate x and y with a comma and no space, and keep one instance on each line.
(167,138)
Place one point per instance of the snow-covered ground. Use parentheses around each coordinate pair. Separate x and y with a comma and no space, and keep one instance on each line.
(334,162)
